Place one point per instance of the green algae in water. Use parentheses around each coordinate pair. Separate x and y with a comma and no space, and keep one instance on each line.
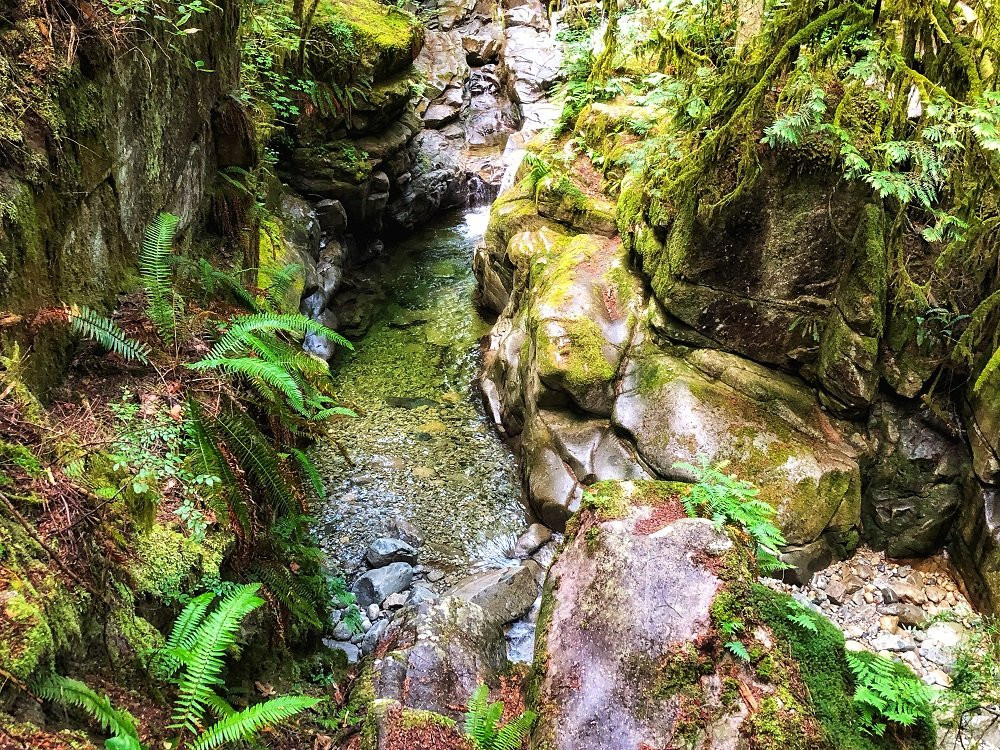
(422,446)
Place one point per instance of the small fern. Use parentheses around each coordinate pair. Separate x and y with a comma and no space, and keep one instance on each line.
(92,325)
(154,267)
(887,692)
(800,616)
(737,649)
(482,720)
(726,499)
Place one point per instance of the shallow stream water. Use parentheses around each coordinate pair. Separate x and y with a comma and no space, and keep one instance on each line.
(422,447)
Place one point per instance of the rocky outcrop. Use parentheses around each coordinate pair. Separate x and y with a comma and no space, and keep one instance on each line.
(916,484)
(603,686)
(758,336)
(641,615)
(579,368)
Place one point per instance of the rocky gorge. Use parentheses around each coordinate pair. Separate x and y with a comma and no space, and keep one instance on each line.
(541,351)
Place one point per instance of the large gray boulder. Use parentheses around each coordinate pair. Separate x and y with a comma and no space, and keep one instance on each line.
(375,585)
(768,427)
(624,606)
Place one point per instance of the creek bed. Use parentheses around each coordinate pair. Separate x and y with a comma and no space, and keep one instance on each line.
(422,447)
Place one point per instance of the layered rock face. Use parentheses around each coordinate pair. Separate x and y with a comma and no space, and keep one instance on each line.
(759,337)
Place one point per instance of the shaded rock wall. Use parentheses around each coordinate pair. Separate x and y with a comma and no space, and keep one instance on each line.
(139,134)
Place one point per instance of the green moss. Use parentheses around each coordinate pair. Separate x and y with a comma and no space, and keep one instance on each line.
(611,499)
(169,564)
(376,38)
(819,658)
(580,360)
(777,726)
(412,718)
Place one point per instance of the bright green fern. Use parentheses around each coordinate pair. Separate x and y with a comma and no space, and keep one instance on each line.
(482,724)
(193,658)
(154,266)
(887,693)
(92,325)
(69,692)
(256,349)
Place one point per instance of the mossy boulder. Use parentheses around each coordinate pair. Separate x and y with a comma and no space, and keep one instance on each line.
(363,39)
(169,563)
(641,615)
(681,406)
(627,617)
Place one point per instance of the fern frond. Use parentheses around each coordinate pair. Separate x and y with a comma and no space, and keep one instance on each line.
(69,692)
(92,325)
(303,604)
(257,457)
(309,469)
(281,282)
(258,372)
(154,267)
(182,635)
(211,461)
(287,322)
(244,725)
(513,734)
(203,664)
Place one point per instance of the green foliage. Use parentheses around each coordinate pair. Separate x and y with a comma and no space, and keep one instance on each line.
(94,326)
(828,680)
(737,649)
(728,500)
(251,347)
(67,692)
(154,266)
(483,728)
(801,616)
(976,677)
(887,693)
(193,657)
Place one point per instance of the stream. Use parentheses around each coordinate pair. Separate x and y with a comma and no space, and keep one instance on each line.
(421,447)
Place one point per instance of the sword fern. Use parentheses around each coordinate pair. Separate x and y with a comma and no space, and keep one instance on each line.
(154,267)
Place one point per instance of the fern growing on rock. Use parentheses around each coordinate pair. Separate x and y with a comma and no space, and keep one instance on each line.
(483,728)
(726,499)
(92,325)
(193,658)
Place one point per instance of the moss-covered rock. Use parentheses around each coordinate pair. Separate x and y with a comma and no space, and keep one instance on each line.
(168,563)
(769,428)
